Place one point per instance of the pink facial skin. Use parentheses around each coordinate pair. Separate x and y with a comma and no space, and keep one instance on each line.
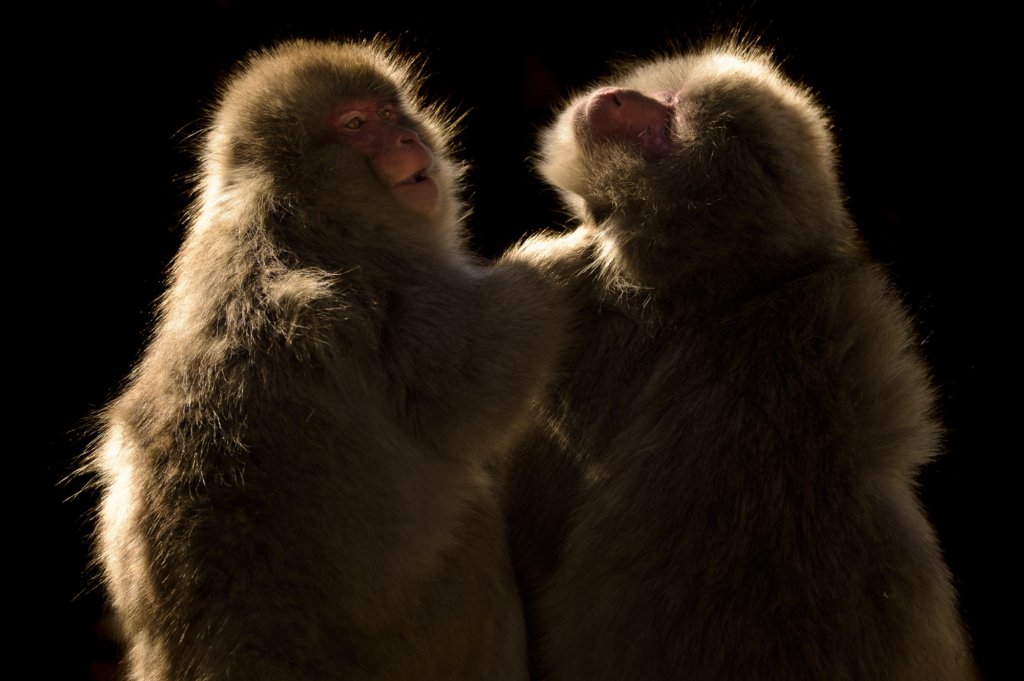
(395,152)
(618,113)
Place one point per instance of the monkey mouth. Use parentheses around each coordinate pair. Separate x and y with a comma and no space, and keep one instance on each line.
(418,192)
(418,176)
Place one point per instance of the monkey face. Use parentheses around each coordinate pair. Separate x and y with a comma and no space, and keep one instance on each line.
(338,129)
(615,113)
(607,148)
(396,154)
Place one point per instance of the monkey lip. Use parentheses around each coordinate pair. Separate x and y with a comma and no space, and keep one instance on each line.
(418,192)
(416,177)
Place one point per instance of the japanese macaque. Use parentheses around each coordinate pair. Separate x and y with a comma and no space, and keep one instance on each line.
(724,486)
(296,480)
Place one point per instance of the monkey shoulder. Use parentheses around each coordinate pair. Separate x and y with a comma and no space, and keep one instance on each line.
(322,316)
(852,312)
(834,311)
(225,368)
(838,343)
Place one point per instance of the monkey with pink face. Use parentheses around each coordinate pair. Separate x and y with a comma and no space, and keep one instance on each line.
(296,479)
(723,485)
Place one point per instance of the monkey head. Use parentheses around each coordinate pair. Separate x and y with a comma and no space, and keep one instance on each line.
(336,129)
(716,142)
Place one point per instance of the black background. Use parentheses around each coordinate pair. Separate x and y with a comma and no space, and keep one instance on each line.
(117,93)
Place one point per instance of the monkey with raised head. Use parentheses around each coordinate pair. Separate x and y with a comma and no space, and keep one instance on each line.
(295,480)
(723,487)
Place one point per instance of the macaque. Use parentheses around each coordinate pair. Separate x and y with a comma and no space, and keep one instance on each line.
(297,479)
(723,486)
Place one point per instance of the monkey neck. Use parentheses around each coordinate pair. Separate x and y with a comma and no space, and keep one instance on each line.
(701,261)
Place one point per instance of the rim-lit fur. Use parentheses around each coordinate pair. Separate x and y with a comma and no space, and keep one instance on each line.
(724,486)
(294,482)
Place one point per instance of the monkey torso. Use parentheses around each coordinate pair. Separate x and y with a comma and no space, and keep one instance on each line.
(275,516)
(723,489)
(295,482)
(722,485)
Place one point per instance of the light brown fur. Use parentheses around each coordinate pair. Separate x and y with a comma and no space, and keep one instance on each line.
(295,482)
(724,484)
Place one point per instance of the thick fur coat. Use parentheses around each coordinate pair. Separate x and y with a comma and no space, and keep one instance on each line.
(724,485)
(295,479)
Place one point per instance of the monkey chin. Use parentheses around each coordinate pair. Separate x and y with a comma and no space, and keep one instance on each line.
(419,195)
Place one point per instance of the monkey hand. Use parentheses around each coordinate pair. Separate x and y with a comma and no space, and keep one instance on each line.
(564,258)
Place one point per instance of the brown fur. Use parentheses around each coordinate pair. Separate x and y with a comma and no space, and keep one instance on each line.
(724,488)
(295,481)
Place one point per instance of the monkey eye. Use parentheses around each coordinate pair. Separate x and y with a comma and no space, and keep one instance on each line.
(385,114)
(355,123)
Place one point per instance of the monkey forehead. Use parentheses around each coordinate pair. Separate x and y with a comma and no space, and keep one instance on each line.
(367,107)
(301,73)
(300,82)
(280,99)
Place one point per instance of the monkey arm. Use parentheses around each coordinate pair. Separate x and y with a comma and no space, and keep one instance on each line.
(465,360)
(882,383)
(566,259)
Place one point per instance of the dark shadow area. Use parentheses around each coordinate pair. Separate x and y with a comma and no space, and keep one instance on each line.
(123,93)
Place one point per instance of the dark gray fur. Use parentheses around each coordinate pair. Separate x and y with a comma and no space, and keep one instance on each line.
(295,481)
(724,488)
